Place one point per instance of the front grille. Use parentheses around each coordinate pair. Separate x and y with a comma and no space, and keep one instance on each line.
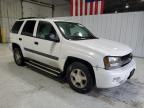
(126,59)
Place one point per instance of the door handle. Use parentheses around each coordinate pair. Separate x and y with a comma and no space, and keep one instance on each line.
(20,39)
(36,43)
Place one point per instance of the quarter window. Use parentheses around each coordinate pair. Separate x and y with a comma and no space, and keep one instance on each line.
(16,27)
(28,28)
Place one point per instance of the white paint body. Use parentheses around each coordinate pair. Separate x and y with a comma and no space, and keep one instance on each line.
(92,51)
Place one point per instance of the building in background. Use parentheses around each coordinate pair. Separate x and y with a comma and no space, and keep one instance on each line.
(11,10)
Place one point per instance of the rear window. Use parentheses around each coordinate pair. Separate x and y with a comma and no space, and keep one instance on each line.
(16,27)
(28,28)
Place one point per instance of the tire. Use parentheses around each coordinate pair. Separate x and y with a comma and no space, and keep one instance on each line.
(18,57)
(79,77)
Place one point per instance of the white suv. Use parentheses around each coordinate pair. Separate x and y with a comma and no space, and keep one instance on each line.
(70,50)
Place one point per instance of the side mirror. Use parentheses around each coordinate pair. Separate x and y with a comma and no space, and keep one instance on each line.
(53,37)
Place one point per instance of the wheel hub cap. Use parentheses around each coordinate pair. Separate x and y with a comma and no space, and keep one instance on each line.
(78,78)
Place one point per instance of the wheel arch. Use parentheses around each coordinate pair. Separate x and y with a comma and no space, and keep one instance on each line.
(15,45)
(71,59)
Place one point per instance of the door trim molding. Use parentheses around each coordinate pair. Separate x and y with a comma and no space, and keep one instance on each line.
(42,54)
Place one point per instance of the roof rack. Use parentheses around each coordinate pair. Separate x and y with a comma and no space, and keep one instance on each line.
(30,18)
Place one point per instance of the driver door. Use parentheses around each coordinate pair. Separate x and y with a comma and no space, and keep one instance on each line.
(46,50)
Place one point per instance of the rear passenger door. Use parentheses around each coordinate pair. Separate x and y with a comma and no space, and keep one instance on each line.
(27,38)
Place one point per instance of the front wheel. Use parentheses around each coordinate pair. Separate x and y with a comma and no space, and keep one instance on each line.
(79,77)
(18,57)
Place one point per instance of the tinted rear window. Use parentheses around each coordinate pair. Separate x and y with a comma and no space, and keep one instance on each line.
(16,27)
(28,28)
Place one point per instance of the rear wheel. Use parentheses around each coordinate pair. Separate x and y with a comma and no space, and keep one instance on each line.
(79,77)
(18,57)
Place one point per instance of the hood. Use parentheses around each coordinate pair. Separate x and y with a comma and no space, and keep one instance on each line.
(106,47)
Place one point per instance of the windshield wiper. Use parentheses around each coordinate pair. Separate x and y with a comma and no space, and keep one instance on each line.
(81,38)
(76,37)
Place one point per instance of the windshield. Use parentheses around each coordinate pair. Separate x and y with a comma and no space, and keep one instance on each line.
(74,31)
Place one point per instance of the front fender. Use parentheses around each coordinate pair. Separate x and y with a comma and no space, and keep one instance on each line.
(86,57)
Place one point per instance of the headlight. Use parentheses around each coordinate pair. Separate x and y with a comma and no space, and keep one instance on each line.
(112,62)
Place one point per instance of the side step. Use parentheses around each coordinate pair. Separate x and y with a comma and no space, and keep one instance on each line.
(43,68)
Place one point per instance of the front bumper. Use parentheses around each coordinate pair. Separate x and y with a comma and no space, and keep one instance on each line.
(114,77)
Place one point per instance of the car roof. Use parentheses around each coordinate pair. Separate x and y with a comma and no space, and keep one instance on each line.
(43,19)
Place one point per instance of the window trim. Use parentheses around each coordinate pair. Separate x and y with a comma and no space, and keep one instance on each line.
(37,30)
(24,26)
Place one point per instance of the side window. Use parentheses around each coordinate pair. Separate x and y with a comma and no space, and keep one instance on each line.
(28,28)
(45,30)
(16,27)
